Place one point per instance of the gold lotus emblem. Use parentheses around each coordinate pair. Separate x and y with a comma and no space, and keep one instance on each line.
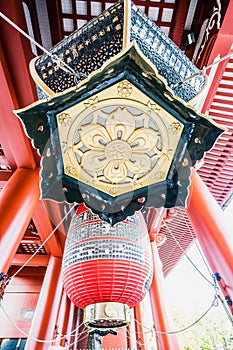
(118,144)
(118,149)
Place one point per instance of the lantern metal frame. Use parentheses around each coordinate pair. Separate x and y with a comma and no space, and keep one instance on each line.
(197,133)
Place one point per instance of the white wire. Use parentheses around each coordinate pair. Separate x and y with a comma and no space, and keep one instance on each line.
(45,241)
(138,342)
(31,257)
(203,258)
(218,61)
(36,339)
(55,58)
(214,303)
(78,340)
(203,71)
(186,255)
(214,284)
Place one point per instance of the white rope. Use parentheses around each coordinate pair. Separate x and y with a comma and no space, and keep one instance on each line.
(213,284)
(36,339)
(65,67)
(214,303)
(45,241)
(202,71)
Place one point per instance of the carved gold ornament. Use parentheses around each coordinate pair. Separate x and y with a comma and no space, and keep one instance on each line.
(118,138)
(119,141)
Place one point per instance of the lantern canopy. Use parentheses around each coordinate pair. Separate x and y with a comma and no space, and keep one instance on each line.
(87,49)
(122,139)
(106,270)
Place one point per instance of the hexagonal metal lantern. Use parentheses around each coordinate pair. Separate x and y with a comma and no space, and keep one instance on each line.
(119,141)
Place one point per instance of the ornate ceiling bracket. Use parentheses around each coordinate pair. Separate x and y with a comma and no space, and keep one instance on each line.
(120,141)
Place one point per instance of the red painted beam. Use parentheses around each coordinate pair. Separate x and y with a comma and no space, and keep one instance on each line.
(213,231)
(37,260)
(44,228)
(56,214)
(139,330)
(17,49)
(44,320)
(16,145)
(18,200)
(16,86)
(179,19)
(63,317)
(164,341)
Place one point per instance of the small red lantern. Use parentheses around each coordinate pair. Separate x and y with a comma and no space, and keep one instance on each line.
(106,269)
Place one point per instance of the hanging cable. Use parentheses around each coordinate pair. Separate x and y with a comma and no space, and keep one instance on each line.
(204,260)
(189,259)
(65,67)
(36,339)
(214,303)
(202,71)
(229,55)
(78,340)
(138,341)
(226,309)
(45,241)
(214,283)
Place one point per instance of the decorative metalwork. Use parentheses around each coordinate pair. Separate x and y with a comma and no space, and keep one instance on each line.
(89,47)
(85,51)
(122,144)
(160,238)
(118,154)
(105,316)
(169,60)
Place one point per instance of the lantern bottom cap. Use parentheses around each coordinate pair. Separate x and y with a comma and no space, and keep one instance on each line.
(106,315)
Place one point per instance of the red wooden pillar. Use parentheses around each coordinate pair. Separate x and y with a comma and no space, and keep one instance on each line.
(63,318)
(213,231)
(131,333)
(139,327)
(18,200)
(44,320)
(164,341)
(16,86)
(70,333)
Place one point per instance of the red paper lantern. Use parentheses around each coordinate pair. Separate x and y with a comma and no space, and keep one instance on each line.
(106,267)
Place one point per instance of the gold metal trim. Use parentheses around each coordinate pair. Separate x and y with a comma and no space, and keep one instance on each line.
(106,315)
(119,140)
(38,80)
(127,24)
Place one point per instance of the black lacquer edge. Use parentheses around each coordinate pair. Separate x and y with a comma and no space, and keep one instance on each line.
(198,136)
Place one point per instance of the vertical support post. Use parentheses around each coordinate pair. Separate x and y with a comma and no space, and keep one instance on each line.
(139,328)
(16,85)
(44,320)
(213,231)
(159,312)
(63,317)
(18,200)
(70,326)
(131,332)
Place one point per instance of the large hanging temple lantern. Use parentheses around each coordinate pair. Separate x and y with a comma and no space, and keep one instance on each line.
(106,270)
(124,137)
